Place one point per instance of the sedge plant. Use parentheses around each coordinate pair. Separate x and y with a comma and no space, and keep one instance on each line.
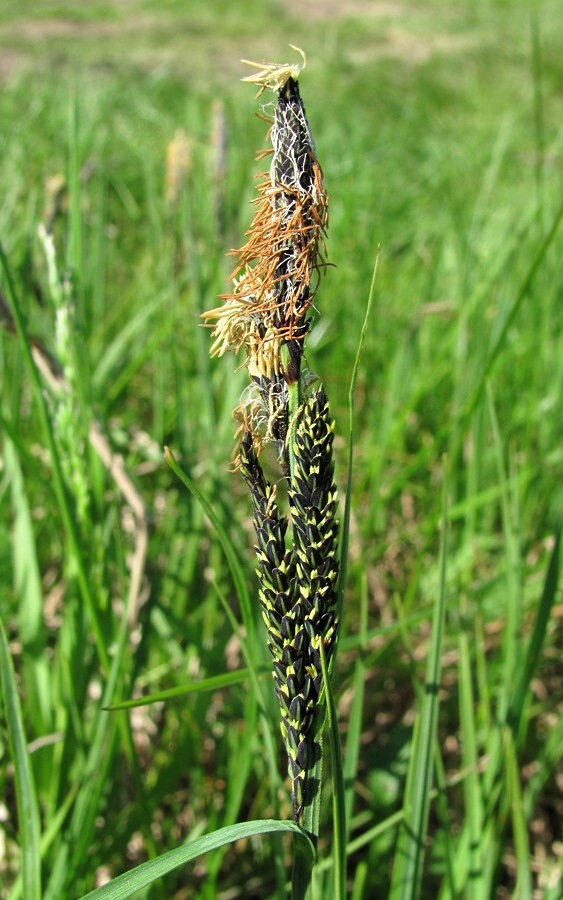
(267,317)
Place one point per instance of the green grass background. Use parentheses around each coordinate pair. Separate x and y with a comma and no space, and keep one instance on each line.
(438,126)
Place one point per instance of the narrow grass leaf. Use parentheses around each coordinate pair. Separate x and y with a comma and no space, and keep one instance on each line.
(77,839)
(27,579)
(146,874)
(75,242)
(345,525)
(539,116)
(354,732)
(27,582)
(522,293)
(338,787)
(213,683)
(512,633)
(409,857)
(471,786)
(360,878)
(519,824)
(531,657)
(52,829)
(26,796)
(226,543)
(445,821)
(58,478)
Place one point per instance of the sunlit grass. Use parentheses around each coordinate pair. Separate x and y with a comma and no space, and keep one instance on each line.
(450,158)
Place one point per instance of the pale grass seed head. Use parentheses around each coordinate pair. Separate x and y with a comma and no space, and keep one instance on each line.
(178,164)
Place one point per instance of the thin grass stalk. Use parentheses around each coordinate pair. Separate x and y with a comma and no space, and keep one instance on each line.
(58,477)
(338,793)
(351,407)
(355,718)
(519,824)
(472,784)
(409,856)
(230,552)
(523,292)
(445,820)
(78,836)
(29,820)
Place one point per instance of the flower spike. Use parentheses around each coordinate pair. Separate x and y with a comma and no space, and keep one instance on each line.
(266,315)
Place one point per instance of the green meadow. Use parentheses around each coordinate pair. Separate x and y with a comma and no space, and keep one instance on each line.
(127,173)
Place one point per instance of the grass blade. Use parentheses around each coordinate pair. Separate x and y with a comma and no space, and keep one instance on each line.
(523,292)
(354,735)
(146,874)
(230,552)
(58,478)
(213,683)
(519,824)
(407,871)
(531,656)
(345,527)
(78,837)
(36,675)
(338,788)
(26,796)
(472,784)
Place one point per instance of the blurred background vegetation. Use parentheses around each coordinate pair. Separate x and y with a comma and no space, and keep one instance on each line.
(125,130)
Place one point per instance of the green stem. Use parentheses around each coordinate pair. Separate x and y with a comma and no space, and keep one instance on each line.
(338,789)
(301,885)
(303,862)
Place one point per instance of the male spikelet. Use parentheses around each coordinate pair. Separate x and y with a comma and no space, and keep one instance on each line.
(277,270)
(267,315)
